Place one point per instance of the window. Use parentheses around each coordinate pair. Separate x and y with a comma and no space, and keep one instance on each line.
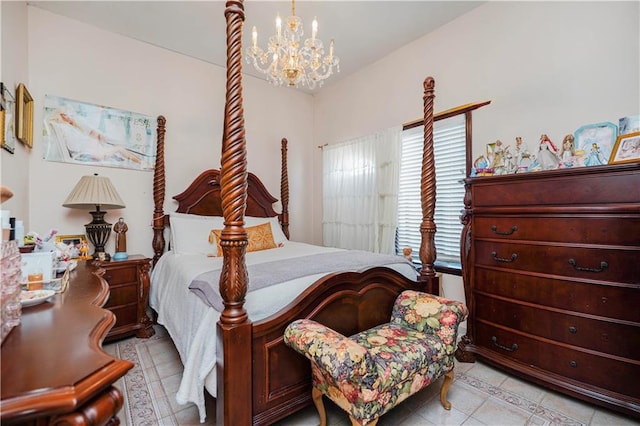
(450,146)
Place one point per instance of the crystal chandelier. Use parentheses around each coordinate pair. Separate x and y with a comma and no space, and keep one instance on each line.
(288,61)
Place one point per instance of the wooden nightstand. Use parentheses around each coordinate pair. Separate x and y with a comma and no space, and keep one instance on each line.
(129,294)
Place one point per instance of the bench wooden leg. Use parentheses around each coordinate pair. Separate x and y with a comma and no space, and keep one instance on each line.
(317,401)
(448,379)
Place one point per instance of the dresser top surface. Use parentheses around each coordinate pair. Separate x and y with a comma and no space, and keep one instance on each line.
(56,348)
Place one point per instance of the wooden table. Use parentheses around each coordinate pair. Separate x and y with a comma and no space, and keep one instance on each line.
(53,367)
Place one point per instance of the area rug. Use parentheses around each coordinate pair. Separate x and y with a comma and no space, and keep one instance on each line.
(145,401)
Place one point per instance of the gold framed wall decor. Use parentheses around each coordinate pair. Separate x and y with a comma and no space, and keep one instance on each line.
(2,124)
(24,116)
(7,110)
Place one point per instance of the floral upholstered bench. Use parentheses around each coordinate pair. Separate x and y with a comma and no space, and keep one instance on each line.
(373,371)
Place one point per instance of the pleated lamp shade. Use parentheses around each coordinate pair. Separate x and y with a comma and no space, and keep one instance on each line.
(94,191)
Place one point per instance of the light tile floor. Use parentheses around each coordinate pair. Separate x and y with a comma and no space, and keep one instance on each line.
(480,395)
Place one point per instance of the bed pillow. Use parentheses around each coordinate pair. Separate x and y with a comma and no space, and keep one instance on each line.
(276,229)
(260,238)
(189,233)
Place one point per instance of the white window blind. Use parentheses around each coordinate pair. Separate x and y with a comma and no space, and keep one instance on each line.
(449,141)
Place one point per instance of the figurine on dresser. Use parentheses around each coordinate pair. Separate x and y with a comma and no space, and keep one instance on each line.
(547,158)
(595,157)
(567,152)
(522,155)
(497,163)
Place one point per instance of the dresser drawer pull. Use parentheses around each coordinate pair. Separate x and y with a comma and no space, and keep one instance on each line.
(573,330)
(603,265)
(513,347)
(502,259)
(494,228)
(573,364)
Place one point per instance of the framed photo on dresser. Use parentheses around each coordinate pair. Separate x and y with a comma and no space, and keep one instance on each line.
(626,149)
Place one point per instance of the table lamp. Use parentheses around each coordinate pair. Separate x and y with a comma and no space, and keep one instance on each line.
(95,191)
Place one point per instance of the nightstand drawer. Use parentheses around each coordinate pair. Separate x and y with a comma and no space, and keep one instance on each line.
(117,276)
(125,315)
(121,295)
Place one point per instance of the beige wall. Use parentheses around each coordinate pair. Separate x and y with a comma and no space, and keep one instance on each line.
(77,61)
(14,168)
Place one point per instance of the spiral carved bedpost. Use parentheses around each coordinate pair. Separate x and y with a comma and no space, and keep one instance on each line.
(428,190)
(284,190)
(233,357)
(158,242)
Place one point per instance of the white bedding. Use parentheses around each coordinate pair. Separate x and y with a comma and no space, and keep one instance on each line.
(192,324)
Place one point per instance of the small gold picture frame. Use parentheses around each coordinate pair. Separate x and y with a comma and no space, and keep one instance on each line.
(626,149)
(74,240)
(24,116)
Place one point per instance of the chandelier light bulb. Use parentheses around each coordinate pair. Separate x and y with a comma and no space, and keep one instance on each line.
(278,26)
(254,37)
(314,29)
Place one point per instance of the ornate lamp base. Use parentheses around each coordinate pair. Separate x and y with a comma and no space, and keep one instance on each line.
(98,232)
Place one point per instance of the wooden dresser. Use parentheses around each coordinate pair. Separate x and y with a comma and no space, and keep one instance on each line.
(53,368)
(551,268)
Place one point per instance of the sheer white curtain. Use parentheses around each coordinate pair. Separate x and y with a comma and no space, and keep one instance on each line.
(360,192)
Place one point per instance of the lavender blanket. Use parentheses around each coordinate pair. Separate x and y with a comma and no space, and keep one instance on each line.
(206,285)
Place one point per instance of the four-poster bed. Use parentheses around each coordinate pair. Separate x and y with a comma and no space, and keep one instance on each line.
(258,379)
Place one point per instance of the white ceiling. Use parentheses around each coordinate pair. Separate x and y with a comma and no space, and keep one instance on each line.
(364,31)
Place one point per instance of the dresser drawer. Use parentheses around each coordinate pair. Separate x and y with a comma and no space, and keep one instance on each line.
(589,230)
(604,264)
(558,189)
(602,336)
(124,275)
(608,373)
(610,301)
(121,295)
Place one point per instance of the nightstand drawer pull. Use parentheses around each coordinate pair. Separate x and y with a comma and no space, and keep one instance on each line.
(573,364)
(513,347)
(502,259)
(494,228)
(603,265)
(573,330)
